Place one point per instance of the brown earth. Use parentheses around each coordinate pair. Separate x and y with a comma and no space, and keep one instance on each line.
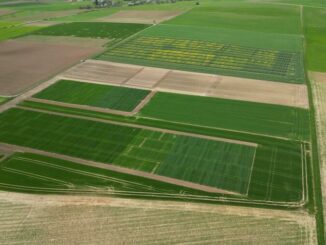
(6,11)
(191,83)
(142,17)
(24,64)
(66,40)
(102,72)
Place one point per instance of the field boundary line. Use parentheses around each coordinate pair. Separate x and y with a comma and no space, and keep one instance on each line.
(273,101)
(143,102)
(251,170)
(225,129)
(80,106)
(119,169)
(108,121)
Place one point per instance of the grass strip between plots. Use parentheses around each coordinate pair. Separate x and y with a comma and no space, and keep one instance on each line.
(97,95)
(227,165)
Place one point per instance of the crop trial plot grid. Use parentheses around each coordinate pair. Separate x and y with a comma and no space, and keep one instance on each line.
(212,55)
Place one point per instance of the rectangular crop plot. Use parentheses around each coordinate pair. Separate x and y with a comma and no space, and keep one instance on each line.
(97,95)
(250,117)
(208,162)
(92,29)
(210,57)
(42,174)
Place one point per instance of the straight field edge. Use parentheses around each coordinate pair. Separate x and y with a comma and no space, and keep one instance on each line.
(315,204)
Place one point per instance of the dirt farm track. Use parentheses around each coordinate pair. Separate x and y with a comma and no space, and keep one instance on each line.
(22,64)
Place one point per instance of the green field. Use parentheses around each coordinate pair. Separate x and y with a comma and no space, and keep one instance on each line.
(134,148)
(27,172)
(104,96)
(250,117)
(243,16)
(10,30)
(277,169)
(92,29)
(212,50)
(315,33)
(3,100)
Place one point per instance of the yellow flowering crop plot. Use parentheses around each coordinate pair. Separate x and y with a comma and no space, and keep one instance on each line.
(211,57)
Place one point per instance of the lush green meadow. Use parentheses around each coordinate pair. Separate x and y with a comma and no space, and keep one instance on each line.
(250,117)
(214,50)
(97,95)
(135,148)
(92,29)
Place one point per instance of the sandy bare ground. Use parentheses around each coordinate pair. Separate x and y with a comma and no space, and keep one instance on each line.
(75,41)
(37,219)
(6,11)
(142,17)
(319,94)
(102,72)
(191,83)
(191,185)
(24,64)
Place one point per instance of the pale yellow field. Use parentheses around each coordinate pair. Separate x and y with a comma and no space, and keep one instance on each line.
(32,219)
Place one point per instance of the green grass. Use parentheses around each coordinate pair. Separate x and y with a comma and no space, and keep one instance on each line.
(250,117)
(243,16)
(315,33)
(10,30)
(3,100)
(104,96)
(214,51)
(134,148)
(92,29)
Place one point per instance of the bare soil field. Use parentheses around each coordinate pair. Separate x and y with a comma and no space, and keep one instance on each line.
(191,83)
(96,220)
(6,11)
(260,91)
(24,64)
(65,40)
(102,72)
(319,91)
(148,77)
(141,17)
